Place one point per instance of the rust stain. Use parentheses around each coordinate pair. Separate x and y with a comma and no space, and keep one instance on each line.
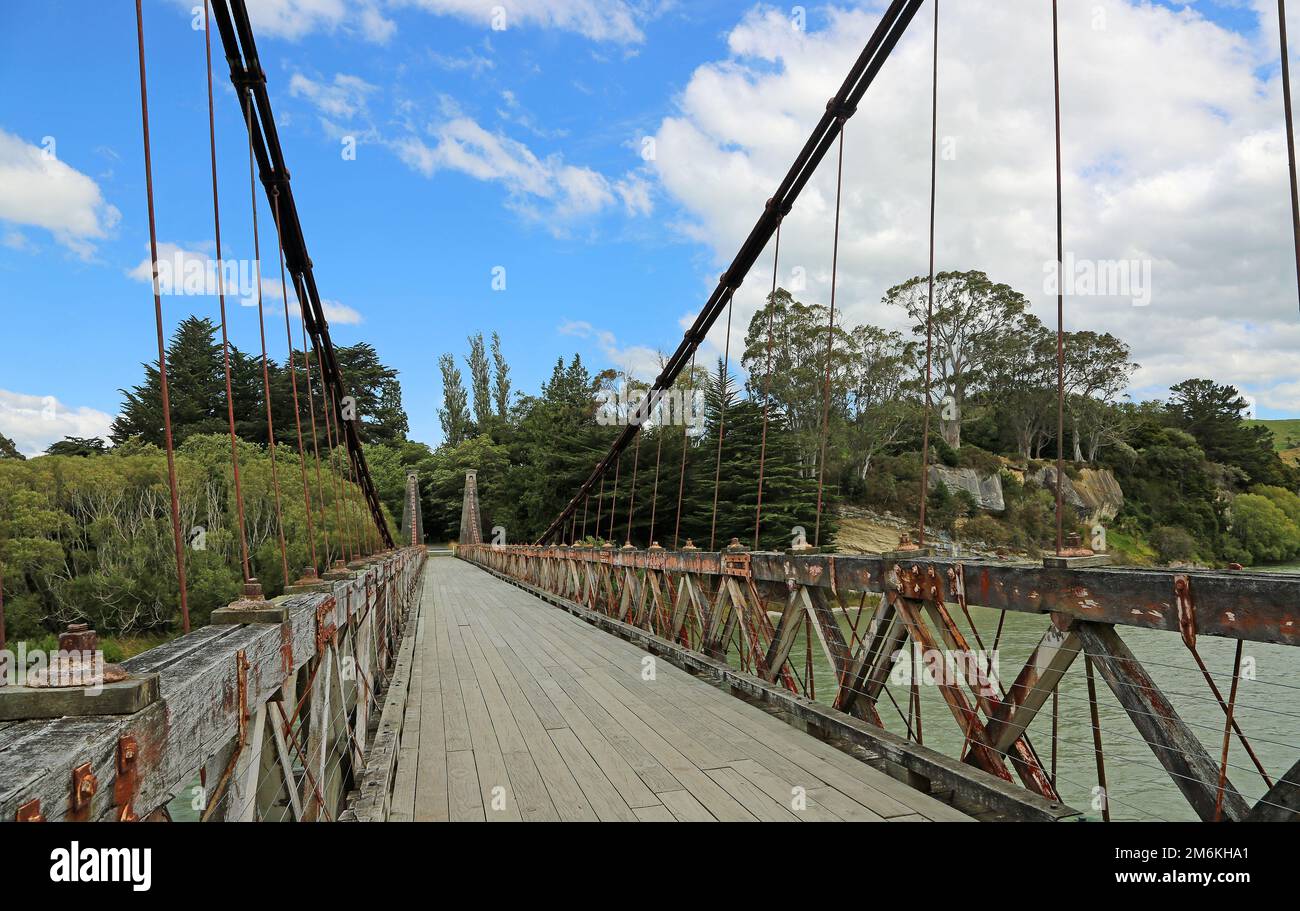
(286,649)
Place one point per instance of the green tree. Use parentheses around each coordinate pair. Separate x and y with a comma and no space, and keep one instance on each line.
(454,413)
(970,319)
(480,380)
(1261,532)
(501,382)
(8,450)
(77,446)
(1215,415)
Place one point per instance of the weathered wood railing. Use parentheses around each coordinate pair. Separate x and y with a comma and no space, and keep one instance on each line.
(716,606)
(258,721)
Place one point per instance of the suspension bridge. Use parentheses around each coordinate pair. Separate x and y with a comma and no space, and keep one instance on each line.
(585,676)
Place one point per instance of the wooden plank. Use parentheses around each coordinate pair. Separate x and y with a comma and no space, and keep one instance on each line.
(432,787)
(780,791)
(657,813)
(763,807)
(465,797)
(489,760)
(604,798)
(684,806)
(621,775)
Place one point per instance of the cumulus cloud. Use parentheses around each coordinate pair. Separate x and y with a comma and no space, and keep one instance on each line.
(341,99)
(546,188)
(295,19)
(33,422)
(615,21)
(636,360)
(1174,156)
(194,272)
(39,190)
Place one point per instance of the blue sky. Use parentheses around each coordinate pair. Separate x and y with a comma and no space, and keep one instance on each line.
(476,149)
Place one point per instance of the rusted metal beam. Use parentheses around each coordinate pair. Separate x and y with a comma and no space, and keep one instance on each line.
(1282,802)
(1256,607)
(1173,742)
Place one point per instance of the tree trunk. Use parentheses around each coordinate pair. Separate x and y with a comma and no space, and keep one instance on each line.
(1078,449)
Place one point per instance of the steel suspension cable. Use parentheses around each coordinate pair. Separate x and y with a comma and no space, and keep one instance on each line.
(631,503)
(929,302)
(315,433)
(600,507)
(1060,291)
(830,339)
(892,25)
(722,423)
(293,378)
(1290,133)
(329,406)
(767,385)
(681,483)
(613,497)
(266,370)
(173,487)
(221,299)
(654,495)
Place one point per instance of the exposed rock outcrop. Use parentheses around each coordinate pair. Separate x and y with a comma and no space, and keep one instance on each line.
(1095,494)
(986,489)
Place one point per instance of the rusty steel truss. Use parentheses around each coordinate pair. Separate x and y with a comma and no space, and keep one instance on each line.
(717,604)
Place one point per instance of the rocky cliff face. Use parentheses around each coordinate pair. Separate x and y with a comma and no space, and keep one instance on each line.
(986,489)
(1095,494)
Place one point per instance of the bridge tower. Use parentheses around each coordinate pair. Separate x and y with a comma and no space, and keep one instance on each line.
(412,514)
(471,524)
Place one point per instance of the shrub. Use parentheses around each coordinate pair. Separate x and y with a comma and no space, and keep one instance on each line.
(1262,530)
(1173,545)
(985,530)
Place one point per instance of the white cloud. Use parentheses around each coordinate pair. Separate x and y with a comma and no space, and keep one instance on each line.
(39,190)
(639,361)
(343,99)
(295,19)
(1174,154)
(241,281)
(600,20)
(540,188)
(335,312)
(33,422)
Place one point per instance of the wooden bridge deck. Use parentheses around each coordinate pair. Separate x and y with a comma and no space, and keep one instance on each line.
(521,711)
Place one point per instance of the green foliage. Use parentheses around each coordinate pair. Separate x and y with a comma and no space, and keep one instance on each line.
(1286,433)
(8,450)
(90,537)
(77,446)
(197,389)
(1173,545)
(1261,532)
